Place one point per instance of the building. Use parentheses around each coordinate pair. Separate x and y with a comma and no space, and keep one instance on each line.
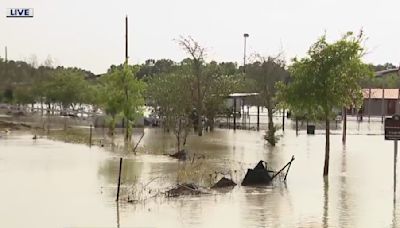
(380,102)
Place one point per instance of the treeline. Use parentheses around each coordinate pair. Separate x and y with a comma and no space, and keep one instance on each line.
(185,94)
(23,83)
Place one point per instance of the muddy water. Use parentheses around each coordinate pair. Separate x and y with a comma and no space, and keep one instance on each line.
(54,184)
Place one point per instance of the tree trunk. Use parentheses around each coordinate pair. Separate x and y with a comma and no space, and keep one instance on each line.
(178,135)
(271,129)
(344,125)
(270,119)
(112,125)
(41,107)
(127,135)
(327,133)
(211,123)
(199,104)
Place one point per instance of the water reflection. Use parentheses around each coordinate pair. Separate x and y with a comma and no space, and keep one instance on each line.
(117,203)
(345,212)
(78,180)
(325,216)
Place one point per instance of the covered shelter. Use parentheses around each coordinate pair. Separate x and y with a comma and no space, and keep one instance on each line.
(242,97)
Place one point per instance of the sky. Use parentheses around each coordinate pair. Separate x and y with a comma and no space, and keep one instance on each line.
(90,33)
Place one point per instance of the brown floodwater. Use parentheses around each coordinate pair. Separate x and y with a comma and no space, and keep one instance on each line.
(48,183)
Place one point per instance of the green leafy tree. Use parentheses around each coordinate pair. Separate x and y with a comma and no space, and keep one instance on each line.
(171,95)
(325,80)
(123,94)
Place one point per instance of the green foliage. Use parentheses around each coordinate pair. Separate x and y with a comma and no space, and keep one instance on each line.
(327,79)
(67,87)
(122,94)
(171,94)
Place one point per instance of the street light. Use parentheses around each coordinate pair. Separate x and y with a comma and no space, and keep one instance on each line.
(245,35)
(244,53)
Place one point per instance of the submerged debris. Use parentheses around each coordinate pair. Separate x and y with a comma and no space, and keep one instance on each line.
(224,182)
(260,175)
(257,176)
(183,189)
(180,155)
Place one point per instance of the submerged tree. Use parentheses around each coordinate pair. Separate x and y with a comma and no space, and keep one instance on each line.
(197,54)
(264,74)
(326,80)
(123,95)
(171,94)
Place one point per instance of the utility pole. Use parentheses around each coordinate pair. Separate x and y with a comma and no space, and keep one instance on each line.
(244,52)
(126,62)
(126,39)
(5,52)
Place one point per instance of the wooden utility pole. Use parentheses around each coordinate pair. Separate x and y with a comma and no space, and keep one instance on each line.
(126,121)
(126,39)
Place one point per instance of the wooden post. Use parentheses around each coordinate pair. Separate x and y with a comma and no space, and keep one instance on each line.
(90,136)
(394,169)
(297,126)
(383,104)
(258,117)
(243,115)
(283,120)
(248,116)
(234,113)
(344,125)
(369,105)
(119,177)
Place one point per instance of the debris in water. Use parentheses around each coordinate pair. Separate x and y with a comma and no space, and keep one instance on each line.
(260,175)
(224,182)
(257,176)
(183,189)
(180,155)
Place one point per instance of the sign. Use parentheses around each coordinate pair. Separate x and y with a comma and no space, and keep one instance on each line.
(19,12)
(392,128)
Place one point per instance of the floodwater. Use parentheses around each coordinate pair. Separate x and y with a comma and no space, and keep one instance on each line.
(53,184)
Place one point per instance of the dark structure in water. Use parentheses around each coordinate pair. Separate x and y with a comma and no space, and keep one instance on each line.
(257,176)
(224,182)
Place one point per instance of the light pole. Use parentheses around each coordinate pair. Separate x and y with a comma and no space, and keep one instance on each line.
(244,52)
(245,35)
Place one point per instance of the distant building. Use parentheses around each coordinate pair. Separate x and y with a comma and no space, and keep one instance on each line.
(380,102)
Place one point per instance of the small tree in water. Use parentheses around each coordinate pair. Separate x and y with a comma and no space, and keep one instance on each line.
(123,95)
(171,94)
(326,80)
(264,73)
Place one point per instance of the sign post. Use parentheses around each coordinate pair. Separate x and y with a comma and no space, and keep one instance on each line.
(394,168)
(392,132)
